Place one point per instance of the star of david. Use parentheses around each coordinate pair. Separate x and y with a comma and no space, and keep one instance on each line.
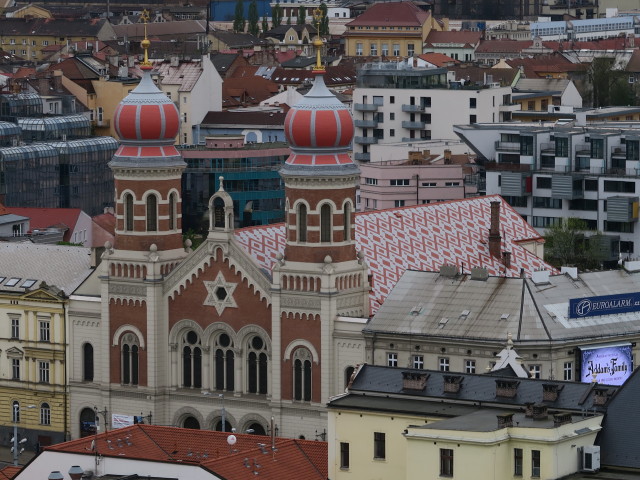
(220,294)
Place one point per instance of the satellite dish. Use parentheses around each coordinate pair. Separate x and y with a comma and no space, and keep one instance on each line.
(231,439)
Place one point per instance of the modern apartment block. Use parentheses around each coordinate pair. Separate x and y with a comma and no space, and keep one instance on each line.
(395,102)
(548,172)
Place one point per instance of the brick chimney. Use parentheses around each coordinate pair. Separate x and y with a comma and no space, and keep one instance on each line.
(447,157)
(505,420)
(495,239)
(452,383)
(561,419)
(414,380)
(550,392)
(506,388)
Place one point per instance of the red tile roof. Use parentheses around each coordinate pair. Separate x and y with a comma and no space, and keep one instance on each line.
(634,62)
(422,237)
(40,218)
(405,14)
(291,460)
(103,229)
(438,59)
(465,37)
(9,471)
(503,46)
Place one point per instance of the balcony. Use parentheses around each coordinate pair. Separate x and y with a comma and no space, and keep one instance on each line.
(583,149)
(516,184)
(412,108)
(413,125)
(362,157)
(619,151)
(366,140)
(507,146)
(507,167)
(509,107)
(548,148)
(366,123)
(365,107)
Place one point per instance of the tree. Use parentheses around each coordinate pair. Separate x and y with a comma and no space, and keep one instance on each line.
(566,244)
(238,21)
(276,16)
(609,85)
(302,15)
(324,21)
(289,20)
(253,18)
(265,24)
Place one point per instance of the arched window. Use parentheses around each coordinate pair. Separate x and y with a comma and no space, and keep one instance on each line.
(45,414)
(191,360)
(191,422)
(87,422)
(347,375)
(128,212)
(15,411)
(218,212)
(172,211)
(152,213)
(325,223)
(302,223)
(87,362)
(224,363)
(129,369)
(257,366)
(302,375)
(346,222)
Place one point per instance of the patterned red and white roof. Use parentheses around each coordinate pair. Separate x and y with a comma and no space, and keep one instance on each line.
(422,237)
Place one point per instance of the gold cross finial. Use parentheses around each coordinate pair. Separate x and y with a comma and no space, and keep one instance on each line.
(317,42)
(145,44)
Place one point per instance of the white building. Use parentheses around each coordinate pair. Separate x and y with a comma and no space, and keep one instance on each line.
(395,102)
(592,29)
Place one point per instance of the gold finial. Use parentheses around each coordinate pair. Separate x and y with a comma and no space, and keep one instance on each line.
(317,42)
(145,44)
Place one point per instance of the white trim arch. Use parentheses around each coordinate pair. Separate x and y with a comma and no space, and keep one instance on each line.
(183,325)
(180,415)
(122,329)
(215,328)
(301,343)
(243,335)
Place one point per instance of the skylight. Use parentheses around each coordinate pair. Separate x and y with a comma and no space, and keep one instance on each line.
(12,282)
(28,284)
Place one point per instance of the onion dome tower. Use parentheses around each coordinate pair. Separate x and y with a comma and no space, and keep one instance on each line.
(147,168)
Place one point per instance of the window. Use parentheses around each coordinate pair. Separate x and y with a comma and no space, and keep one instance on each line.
(398,203)
(446,462)
(622,187)
(379,447)
(45,43)
(45,330)
(325,223)
(172,211)
(15,369)
(152,213)
(526,145)
(302,223)
(223,363)
(633,150)
(129,366)
(374,50)
(15,412)
(547,202)
(562,147)
(473,102)
(429,184)
(371,181)
(12,41)
(15,327)
(517,462)
(392,132)
(597,148)
(348,372)
(399,182)
(567,370)
(385,49)
(87,362)
(443,364)
(396,49)
(418,361)
(257,365)
(43,371)
(45,414)
(191,360)
(358,49)
(344,455)
(535,371)
(392,115)
(535,463)
(543,182)
(378,100)
(302,375)
(346,222)
(392,359)
(392,99)
(590,185)
(473,119)
(410,49)
(451,184)
(470,366)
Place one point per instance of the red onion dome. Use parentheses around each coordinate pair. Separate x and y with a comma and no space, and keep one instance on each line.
(147,115)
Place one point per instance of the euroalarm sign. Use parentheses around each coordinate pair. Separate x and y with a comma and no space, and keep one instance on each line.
(604,305)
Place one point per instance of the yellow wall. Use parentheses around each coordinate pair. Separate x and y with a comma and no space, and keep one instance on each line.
(30,46)
(109,93)
(32,11)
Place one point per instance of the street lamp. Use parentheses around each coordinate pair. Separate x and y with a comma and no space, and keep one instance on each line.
(14,440)
(224,417)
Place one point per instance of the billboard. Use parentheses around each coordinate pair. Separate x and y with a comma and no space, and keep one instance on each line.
(604,305)
(611,364)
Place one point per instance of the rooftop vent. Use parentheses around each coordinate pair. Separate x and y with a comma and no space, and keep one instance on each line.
(540,277)
(443,321)
(479,274)
(414,380)
(452,383)
(416,310)
(601,395)
(504,316)
(571,271)
(550,392)
(505,420)
(539,411)
(506,388)
(448,271)
(561,419)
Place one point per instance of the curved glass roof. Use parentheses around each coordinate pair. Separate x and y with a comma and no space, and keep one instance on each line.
(93,144)
(46,124)
(27,152)
(9,128)
(22,99)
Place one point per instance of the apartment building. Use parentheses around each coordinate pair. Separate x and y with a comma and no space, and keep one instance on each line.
(396,102)
(550,171)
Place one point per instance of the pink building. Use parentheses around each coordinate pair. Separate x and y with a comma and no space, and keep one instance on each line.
(423,178)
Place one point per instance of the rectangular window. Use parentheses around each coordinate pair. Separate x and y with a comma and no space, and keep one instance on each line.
(597,148)
(429,184)
(359,49)
(373,50)
(15,369)
(410,49)
(45,330)
(392,99)
(446,462)
(547,202)
(418,361)
(392,359)
(443,364)
(392,132)
(43,370)
(517,462)
(12,41)
(370,181)
(379,447)
(470,366)
(562,147)
(535,463)
(378,100)
(473,119)
(392,115)
(622,187)
(45,43)
(590,185)
(535,371)
(473,102)
(526,146)
(399,182)
(15,327)
(398,203)
(568,371)
(543,182)
(396,49)
(344,455)
(451,184)
(385,49)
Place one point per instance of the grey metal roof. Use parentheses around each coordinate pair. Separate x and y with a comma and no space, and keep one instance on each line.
(11,218)
(59,266)
(536,313)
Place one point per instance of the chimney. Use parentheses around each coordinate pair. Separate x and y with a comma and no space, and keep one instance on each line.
(506,388)
(57,80)
(447,157)
(414,381)
(550,392)
(506,259)
(494,231)
(601,396)
(561,419)
(452,383)
(43,86)
(448,271)
(505,420)
(539,411)
(76,472)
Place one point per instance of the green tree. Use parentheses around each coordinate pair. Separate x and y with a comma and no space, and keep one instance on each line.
(276,16)
(324,21)
(265,24)
(238,21)
(302,15)
(289,20)
(609,85)
(566,244)
(253,18)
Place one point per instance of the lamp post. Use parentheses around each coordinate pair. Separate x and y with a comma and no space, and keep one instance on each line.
(16,443)
(221,397)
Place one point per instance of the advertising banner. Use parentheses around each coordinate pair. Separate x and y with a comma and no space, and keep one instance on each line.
(611,364)
(119,421)
(604,305)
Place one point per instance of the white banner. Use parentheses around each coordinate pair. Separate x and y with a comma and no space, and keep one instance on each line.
(119,421)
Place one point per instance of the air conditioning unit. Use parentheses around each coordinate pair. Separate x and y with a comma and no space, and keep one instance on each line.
(590,456)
